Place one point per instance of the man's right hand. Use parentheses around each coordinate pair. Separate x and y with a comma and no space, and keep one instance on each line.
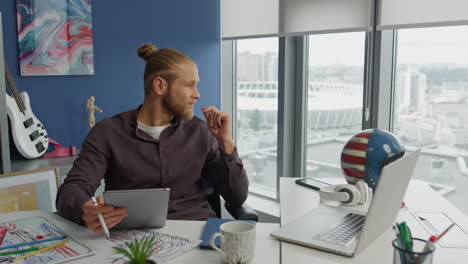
(112,215)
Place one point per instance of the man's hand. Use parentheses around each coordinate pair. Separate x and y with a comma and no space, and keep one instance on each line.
(111,215)
(219,124)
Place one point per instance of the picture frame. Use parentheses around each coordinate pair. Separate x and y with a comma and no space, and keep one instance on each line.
(55,37)
(29,190)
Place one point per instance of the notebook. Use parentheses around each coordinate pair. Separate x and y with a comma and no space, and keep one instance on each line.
(212,226)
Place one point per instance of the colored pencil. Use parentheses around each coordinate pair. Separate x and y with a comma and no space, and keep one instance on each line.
(32,242)
(18,251)
(445,232)
(40,251)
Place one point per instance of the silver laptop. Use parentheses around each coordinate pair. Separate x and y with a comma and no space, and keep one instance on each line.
(147,208)
(343,231)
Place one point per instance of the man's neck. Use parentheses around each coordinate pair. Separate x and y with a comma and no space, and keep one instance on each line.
(153,114)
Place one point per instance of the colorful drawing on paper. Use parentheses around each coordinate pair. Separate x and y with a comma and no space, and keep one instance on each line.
(55,37)
(37,228)
(167,247)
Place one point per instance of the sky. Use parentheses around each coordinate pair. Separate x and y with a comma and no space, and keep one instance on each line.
(327,49)
(440,45)
(433,45)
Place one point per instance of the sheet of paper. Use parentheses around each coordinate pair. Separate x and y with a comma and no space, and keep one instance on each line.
(436,222)
(167,247)
(37,228)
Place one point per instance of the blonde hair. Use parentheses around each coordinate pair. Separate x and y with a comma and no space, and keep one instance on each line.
(161,63)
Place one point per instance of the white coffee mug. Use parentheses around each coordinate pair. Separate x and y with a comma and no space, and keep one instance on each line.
(237,242)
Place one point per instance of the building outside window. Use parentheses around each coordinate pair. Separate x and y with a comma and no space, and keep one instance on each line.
(257,111)
(431,106)
(335,99)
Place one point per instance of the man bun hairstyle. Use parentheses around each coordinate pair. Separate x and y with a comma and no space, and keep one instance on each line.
(146,51)
(161,63)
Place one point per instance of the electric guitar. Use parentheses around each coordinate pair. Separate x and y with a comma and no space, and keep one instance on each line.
(28,133)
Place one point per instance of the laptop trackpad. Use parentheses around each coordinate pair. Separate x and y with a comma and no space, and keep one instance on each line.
(311,223)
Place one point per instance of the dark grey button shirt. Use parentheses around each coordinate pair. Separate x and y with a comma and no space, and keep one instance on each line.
(128,158)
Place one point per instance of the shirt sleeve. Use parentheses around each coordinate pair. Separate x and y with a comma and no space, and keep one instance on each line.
(227,174)
(84,178)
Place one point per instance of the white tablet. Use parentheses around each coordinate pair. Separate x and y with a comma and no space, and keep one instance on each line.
(147,208)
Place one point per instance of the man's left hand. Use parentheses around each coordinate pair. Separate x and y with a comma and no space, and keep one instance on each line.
(219,124)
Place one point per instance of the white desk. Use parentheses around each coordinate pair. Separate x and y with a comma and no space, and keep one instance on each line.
(267,249)
(297,200)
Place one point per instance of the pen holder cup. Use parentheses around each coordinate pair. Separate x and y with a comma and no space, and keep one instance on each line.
(416,256)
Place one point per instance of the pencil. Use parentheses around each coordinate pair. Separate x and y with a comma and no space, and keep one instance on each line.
(446,230)
(32,242)
(18,251)
(40,251)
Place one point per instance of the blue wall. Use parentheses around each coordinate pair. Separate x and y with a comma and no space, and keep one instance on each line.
(119,28)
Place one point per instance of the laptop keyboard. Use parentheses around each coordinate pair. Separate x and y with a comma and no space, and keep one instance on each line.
(343,231)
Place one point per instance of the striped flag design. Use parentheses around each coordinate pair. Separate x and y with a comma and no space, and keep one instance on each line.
(353,157)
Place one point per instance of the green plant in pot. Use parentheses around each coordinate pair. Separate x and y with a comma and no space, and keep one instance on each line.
(138,251)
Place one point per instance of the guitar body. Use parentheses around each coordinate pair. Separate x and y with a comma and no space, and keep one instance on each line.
(28,133)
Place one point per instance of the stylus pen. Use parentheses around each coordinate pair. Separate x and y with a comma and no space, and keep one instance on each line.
(101,219)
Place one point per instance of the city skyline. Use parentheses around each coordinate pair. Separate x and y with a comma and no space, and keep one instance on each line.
(437,45)
(430,105)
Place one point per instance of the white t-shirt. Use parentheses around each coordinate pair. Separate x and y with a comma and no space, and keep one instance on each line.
(155,131)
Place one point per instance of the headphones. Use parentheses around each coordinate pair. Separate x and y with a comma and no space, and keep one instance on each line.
(347,194)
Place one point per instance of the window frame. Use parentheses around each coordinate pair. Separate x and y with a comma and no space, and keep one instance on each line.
(292,103)
(380,70)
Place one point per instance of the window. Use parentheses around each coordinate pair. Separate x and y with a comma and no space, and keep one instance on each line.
(422,99)
(335,99)
(431,106)
(256,124)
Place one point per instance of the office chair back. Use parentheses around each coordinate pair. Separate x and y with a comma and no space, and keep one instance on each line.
(244,212)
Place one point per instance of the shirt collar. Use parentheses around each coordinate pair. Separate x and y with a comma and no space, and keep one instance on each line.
(142,134)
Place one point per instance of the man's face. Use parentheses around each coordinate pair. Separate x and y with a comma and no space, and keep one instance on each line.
(183,93)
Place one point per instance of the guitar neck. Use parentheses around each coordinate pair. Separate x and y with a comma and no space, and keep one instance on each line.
(14,91)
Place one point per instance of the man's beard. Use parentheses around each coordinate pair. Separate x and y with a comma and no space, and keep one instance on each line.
(176,109)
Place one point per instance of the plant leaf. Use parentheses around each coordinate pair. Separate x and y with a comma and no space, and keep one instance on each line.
(139,250)
(123,252)
(148,250)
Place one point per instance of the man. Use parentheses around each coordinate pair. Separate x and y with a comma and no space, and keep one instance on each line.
(159,145)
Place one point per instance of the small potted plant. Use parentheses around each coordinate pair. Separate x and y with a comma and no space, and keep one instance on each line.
(138,251)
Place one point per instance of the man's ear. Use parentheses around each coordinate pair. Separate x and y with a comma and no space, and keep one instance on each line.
(159,86)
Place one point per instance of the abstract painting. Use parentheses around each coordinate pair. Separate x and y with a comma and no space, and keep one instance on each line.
(55,37)
(29,190)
